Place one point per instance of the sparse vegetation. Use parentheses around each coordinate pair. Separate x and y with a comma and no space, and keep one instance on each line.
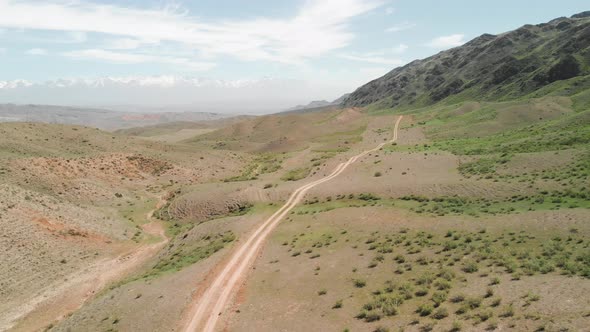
(180,256)
(469,221)
(359,283)
(296,174)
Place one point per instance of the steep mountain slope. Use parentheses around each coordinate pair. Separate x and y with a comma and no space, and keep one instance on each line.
(489,67)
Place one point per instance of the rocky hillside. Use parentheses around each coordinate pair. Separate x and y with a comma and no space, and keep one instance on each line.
(489,67)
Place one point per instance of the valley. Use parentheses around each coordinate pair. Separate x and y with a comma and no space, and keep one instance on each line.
(451,194)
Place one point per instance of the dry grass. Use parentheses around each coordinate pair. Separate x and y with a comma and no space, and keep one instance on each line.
(356,255)
(348,240)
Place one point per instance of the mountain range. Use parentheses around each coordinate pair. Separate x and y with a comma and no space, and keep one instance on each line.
(250,96)
(319,103)
(99,118)
(490,67)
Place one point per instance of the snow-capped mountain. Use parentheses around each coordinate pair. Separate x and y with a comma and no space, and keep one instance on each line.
(163,81)
(15,84)
(208,95)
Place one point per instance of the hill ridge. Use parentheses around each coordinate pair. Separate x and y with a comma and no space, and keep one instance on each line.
(489,67)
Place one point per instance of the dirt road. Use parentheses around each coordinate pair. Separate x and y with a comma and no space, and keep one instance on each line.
(204,316)
(56,303)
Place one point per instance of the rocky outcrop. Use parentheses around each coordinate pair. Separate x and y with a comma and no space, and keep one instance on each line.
(488,67)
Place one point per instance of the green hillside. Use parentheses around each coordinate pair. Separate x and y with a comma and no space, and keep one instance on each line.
(532,60)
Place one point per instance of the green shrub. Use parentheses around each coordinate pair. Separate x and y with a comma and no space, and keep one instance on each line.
(439,297)
(425,279)
(473,302)
(508,311)
(470,267)
(533,297)
(425,309)
(372,316)
(492,326)
(462,309)
(359,283)
(496,302)
(440,313)
(446,274)
(458,298)
(368,197)
(296,174)
(484,315)
(427,327)
(421,292)
(389,309)
(442,284)
(406,290)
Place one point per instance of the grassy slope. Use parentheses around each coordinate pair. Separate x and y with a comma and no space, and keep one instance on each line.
(365,267)
(394,278)
(488,68)
(490,136)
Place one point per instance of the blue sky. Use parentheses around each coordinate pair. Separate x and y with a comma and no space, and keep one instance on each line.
(333,45)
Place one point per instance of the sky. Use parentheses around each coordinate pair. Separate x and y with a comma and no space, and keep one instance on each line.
(204,53)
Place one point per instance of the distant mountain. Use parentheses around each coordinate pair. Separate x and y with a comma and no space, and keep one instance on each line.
(489,67)
(175,126)
(251,96)
(318,104)
(340,99)
(133,81)
(99,118)
(313,104)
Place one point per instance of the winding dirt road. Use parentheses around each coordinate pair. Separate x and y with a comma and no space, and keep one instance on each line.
(56,303)
(204,316)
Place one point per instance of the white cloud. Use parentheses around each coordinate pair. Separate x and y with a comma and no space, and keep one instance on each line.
(36,51)
(109,56)
(401,27)
(124,44)
(181,93)
(77,37)
(447,41)
(401,48)
(319,27)
(389,10)
(47,37)
(374,58)
(132,58)
(383,57)
(14,84)
(2,50)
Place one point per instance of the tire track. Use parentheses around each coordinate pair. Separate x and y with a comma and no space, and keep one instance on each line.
(204,316)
